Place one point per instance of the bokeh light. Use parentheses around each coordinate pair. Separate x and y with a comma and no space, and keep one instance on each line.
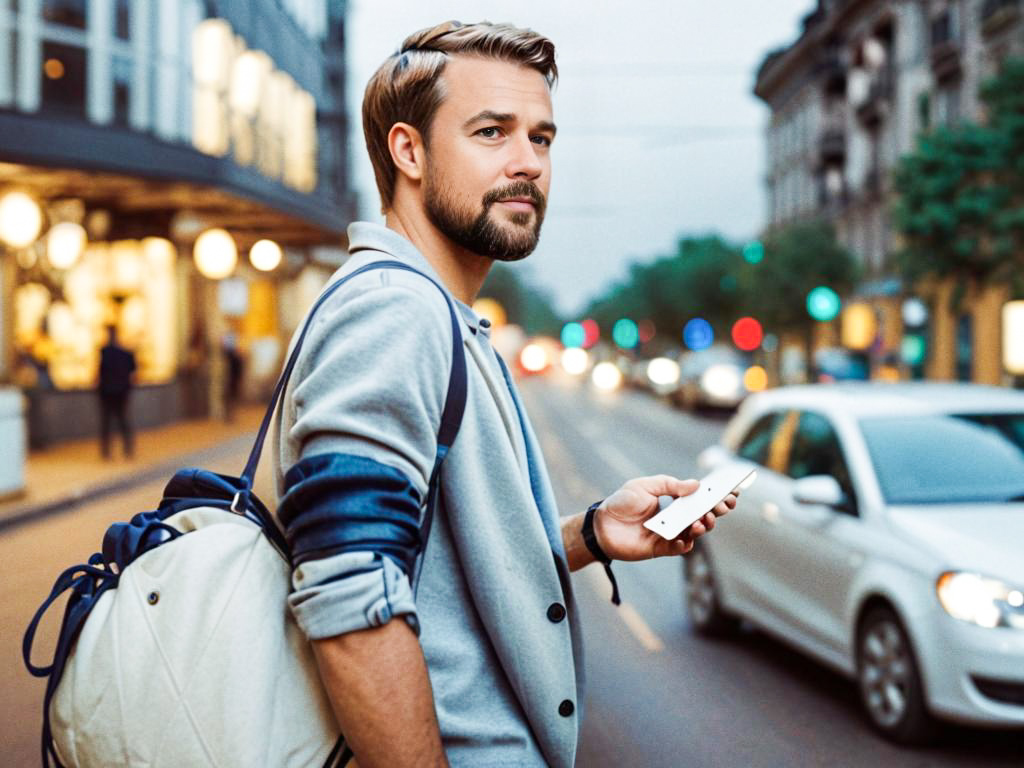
(913,349)
(914,312)
(646,331)
(65,243)
(575,361)
(823,303)
(215,253)
(592,333)
(265,255)
(755,379)
(663,372)
(747,334)
(573,335)
(753,252)
(606,376)
(21,219)
(698,334)
(534,358)
(625,333)
(492,310)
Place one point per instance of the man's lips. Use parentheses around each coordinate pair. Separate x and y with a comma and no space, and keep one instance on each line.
(519,203)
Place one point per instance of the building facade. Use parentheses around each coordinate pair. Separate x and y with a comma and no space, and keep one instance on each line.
(848,99)
(130,129)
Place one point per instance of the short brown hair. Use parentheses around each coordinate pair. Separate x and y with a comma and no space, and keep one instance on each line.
(407,87)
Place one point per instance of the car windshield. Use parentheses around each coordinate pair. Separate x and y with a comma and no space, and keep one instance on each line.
(942,458)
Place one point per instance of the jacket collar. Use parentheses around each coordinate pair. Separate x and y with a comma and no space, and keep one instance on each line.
(368,236)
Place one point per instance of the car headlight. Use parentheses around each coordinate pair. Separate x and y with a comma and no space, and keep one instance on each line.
(980,600)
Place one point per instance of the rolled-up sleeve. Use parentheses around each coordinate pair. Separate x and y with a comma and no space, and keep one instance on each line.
(362,419)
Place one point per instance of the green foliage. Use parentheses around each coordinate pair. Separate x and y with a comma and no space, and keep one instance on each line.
(699,280)
(960,205)
(797,259)
(708,277)
(525,304)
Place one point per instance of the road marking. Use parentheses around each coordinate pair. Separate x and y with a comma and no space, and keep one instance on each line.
(630,616)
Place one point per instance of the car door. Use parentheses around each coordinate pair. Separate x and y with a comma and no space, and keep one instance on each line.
(816,550)
(736,547)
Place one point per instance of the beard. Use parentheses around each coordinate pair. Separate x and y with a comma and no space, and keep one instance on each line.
(483,234)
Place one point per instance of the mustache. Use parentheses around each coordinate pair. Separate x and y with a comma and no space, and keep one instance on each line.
(517,189)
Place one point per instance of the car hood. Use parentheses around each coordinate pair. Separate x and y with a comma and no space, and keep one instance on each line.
(986,538)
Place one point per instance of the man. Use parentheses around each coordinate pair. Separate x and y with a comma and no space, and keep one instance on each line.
(117,366)
(483,667)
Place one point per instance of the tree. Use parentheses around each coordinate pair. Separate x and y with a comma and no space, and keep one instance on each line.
(525,304)
(797,259)
(960,204)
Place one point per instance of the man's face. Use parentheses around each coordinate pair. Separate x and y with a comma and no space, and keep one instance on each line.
(488,167)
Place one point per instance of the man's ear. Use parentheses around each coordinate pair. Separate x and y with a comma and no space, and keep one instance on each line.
(407,151)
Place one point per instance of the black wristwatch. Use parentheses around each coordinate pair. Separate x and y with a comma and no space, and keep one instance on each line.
(590,539)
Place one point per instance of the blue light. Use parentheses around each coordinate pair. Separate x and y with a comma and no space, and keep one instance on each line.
(698,334)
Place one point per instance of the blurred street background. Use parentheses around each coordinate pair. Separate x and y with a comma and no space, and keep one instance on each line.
(745,198)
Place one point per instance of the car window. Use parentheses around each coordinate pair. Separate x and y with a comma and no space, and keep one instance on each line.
(816,451)
(943,459)
(754,446)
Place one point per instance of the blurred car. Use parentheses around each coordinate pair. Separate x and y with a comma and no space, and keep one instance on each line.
(884,536)
(840,364)
(711,378)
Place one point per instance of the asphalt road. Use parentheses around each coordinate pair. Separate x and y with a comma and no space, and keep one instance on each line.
(658,695)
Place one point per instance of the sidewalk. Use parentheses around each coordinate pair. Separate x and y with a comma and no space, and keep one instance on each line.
(74,471)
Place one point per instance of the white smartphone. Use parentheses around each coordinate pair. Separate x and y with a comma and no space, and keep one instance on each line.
(686,510)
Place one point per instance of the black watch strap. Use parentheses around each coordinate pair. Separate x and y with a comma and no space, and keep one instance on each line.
(590,539)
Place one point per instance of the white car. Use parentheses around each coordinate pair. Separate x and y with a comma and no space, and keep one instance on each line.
(884,536)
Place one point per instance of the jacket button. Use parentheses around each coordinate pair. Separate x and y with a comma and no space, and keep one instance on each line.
(566,708)
(556,612)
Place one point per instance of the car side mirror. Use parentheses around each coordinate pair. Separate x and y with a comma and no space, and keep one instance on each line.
(712,458)
(819,489)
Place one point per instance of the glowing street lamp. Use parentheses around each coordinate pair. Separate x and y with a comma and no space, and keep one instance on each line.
(215,254)
(65,243)
(265,255)
(21,219)
(823,304)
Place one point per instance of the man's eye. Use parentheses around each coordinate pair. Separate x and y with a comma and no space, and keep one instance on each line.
(544,141)
(489,133)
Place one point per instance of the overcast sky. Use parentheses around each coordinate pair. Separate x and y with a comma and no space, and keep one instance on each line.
(658,132)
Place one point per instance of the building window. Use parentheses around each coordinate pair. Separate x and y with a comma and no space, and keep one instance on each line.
(947,105)
(64,78)
(122,76)
(68,13)
(122,20)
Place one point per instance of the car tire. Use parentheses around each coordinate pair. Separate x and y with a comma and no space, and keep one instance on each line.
(889,681)
(703,605)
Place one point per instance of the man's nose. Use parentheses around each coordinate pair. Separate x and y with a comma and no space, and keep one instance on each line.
(524,162)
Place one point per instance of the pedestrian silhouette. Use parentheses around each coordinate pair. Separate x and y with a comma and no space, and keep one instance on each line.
(117,365)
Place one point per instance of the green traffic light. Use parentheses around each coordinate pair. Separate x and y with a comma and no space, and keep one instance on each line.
(753,252)
(823,304)
(625,333)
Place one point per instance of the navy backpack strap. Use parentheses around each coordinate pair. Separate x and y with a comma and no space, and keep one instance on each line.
(455,400)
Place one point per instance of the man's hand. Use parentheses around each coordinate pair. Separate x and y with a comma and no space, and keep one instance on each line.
(618,522)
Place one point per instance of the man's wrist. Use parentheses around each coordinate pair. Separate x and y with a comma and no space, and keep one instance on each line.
(589,534)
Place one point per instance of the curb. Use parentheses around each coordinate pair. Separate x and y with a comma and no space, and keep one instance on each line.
(33,512)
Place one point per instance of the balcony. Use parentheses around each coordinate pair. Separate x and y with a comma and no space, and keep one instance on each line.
(946,49)
(999,15)
(875,106)
(832,71)
(832,147)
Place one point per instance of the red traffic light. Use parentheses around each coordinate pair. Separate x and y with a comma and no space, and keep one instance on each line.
(747,334)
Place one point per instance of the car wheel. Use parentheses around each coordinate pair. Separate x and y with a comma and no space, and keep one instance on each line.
(702,603)
(890,684)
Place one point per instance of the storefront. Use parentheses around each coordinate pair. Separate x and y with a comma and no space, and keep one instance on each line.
(166,177)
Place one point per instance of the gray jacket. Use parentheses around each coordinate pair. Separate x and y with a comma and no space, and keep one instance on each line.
(370,382)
